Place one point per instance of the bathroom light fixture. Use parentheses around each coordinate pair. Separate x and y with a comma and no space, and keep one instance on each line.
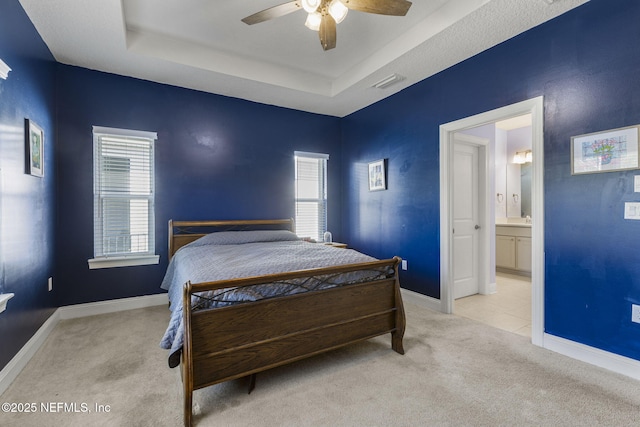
(522,157)
(4,70)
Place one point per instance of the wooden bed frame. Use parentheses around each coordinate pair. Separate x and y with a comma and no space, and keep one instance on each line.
(231,342)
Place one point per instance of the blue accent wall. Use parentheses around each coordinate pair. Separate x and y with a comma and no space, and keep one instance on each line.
(216,158)
(586,64)
(27,203)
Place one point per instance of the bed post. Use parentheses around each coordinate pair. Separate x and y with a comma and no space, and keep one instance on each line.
(398,333)
(187,359)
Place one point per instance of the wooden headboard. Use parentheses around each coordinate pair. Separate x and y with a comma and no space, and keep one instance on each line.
(183,232)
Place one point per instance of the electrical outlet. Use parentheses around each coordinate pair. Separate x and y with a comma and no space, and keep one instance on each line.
(404,264)
(50,282)
(635,313)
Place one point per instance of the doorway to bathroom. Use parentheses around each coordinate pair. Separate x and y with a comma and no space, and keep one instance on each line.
(506,304)
(505,208)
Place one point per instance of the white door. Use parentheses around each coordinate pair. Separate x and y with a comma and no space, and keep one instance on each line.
(465,220)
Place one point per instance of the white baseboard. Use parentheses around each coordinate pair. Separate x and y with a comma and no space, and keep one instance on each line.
(20,360)
(490,289)
(111,306)
(594,356)
(421,300)
(611,361)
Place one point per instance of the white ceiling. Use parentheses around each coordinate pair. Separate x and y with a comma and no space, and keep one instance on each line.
(203,45)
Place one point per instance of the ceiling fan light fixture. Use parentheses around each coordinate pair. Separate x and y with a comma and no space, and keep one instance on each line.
(311,5)
(331,12)
(313,21)
(338,11)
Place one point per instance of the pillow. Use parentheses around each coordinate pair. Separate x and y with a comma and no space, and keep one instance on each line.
(240,237)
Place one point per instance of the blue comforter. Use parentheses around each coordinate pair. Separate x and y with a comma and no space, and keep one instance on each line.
(235,254)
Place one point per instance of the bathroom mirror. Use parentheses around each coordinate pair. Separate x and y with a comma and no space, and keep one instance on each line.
(518,195)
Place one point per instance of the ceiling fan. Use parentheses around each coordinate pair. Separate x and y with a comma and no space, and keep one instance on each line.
(325,14)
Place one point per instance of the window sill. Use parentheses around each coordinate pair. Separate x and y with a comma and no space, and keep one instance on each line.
(111,262)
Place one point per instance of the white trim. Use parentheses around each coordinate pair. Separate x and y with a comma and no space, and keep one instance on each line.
(4,299)
(311,155)
(535,108)
(111,306)
(305,217)
(4,70)
(101,130)
(420,300)
(594,356)
(492,288)
(20,360)
(133,145)
(109,262)
(446,250)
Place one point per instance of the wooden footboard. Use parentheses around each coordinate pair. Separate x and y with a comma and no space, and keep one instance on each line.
(232,342)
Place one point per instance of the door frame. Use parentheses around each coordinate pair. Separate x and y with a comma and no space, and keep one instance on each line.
(484,241)
(535,107)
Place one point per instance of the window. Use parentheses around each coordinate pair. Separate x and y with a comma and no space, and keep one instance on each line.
(311,194)
(123,198)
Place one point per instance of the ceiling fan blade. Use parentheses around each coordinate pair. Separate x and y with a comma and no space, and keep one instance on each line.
(381,7)
(327,32)
(273,12)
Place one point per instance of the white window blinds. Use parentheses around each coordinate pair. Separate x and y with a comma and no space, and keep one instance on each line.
(311,194)
(124,214)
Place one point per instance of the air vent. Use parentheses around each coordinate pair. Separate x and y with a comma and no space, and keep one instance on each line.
(388,81)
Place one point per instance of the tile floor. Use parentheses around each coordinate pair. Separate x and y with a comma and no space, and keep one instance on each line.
(508,309)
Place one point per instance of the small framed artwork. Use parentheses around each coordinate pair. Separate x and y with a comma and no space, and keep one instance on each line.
(608,151)
(34,148)
(378,175)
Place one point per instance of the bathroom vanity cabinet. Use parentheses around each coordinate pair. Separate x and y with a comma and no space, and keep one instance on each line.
(513,248)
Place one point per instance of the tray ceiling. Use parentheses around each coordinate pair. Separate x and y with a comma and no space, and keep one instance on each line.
(203,45)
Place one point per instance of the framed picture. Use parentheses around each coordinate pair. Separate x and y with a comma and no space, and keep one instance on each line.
(34,148)
(608,151)
(377,175)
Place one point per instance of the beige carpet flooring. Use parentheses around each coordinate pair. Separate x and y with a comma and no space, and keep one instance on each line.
(455,372)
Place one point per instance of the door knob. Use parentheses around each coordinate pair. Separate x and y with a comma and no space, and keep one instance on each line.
(477,227)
